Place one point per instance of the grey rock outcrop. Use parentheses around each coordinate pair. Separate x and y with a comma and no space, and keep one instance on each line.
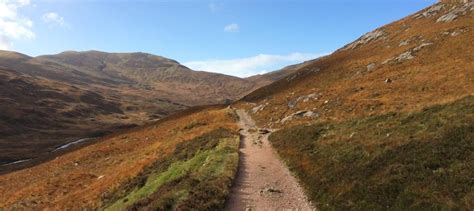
(366,38)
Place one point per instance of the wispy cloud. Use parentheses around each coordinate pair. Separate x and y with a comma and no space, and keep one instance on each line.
(53,19)
(244,67)
(214,7)
(14,26)
(233,27)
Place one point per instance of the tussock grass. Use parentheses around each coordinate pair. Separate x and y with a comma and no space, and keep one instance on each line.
(422,160)
(196,176)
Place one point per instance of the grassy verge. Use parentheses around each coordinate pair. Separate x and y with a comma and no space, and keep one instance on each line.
(423,160)
(197,176)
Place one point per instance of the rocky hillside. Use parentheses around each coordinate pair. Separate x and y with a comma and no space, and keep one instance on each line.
(402,66)
(386,122)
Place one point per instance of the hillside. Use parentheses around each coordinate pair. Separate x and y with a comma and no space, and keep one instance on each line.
(185,161)
(48,101)
(385,122)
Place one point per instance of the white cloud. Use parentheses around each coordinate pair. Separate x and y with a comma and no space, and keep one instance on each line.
(215,7)
(232,28)
(249,66)
(13,26)
(52,19)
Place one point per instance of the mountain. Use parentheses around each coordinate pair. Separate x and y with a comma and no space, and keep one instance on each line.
(384,123)
(48,101)
(166,77)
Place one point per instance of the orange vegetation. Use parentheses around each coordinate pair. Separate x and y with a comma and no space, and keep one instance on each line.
(362,81)
(81,178)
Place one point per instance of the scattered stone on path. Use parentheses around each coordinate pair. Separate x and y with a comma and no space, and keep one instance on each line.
(270,191)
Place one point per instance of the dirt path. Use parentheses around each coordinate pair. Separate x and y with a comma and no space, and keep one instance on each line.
(263,182)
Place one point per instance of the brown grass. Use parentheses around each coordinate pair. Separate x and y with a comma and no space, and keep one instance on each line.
(80,178)
(439,73)
(424,163)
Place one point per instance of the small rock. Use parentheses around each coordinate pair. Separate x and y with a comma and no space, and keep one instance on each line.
(387,61)
(405,56)
(292,104)
(299,113)
(370,67)
(263,131)
(257,108)
(310,114)
(288,118)
(422,45)
(388,80)
(447,18)
(403,43)
(270,191)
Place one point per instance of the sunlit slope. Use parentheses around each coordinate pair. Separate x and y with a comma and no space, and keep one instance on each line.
(421,60)
(193,153)
(386,122)
(422,160)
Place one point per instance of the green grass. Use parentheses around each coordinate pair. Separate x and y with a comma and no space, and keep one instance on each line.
(196,176)
(417,161)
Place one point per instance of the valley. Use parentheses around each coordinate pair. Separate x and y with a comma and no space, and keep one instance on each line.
(385,122)
(49,101)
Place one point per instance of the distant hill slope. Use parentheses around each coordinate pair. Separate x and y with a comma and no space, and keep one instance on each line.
(268,78)
(167,77)
(50,100)
(386,122)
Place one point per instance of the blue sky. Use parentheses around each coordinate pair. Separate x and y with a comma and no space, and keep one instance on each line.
(240,38)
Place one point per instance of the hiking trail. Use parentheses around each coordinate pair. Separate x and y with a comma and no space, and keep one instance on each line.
(263,181)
